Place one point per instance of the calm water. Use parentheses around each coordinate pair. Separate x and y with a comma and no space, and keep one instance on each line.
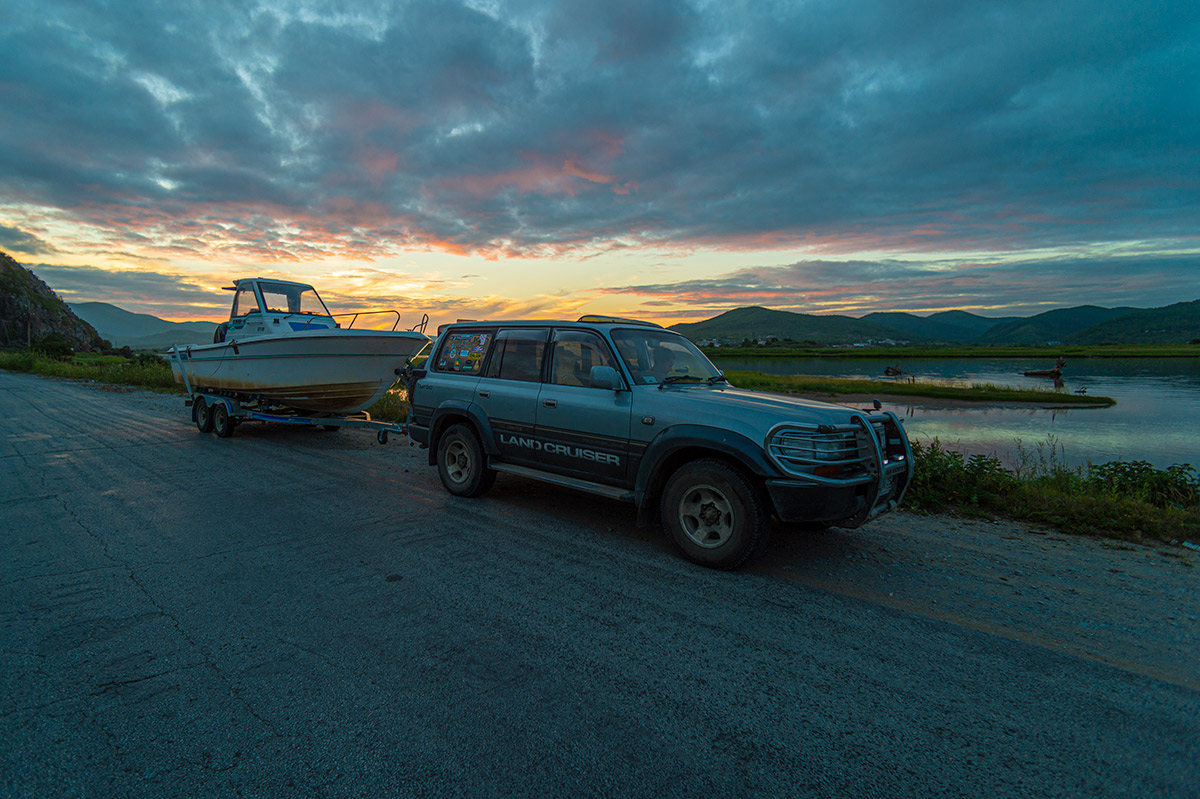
(1157,416)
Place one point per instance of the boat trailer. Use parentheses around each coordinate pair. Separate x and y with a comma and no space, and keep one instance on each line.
(218,411)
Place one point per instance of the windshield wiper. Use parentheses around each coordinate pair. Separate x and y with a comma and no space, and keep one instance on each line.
(669,379)
(719,377)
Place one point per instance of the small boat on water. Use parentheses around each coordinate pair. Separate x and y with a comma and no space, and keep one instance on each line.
(281,344)
(1055,373)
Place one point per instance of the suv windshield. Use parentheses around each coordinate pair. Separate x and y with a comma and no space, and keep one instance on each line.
(660,356)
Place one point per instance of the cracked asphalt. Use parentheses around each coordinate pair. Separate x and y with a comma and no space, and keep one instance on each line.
(296,612)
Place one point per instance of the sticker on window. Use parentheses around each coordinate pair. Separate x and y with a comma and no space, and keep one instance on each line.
(464,352)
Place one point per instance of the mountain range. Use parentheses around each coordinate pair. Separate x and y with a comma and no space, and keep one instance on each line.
(1085,324)
(141,331)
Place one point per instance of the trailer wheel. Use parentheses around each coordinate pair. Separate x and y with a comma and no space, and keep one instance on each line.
(222,422)
(202,415)
(461,463)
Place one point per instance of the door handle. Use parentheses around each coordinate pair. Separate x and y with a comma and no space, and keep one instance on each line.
(549,403)
(485,394)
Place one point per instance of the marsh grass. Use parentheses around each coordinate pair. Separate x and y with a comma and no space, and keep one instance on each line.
(980,392)
(1128,500)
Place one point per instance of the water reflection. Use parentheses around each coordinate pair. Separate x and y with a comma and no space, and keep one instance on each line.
(1155,419)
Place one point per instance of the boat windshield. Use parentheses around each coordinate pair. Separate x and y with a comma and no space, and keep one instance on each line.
(654,356)
(290,298)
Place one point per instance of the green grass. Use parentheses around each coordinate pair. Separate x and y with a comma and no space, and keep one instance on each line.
(802,384)
(962,351)
(144,371)
(1126,500)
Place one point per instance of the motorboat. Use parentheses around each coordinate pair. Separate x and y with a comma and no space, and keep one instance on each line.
(282,346)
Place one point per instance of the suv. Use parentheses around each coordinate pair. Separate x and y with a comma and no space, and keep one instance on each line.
(632,411)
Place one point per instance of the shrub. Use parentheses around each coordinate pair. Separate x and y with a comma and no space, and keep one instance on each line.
(54,345)
(1121,499)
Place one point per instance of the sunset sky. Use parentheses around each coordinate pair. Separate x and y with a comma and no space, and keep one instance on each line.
(667,160)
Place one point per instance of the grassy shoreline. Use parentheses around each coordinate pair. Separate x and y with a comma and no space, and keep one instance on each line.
(899,353)
(834,386)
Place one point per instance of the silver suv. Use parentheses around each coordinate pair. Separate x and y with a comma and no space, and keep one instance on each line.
(634,412)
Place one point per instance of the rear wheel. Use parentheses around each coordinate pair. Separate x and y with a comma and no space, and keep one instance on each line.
(715,513)
(202,415)
(222,422)
(461,463)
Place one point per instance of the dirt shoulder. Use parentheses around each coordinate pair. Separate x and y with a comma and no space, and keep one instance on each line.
(1133,607)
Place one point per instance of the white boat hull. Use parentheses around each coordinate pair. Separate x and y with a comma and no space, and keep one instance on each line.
(337,371)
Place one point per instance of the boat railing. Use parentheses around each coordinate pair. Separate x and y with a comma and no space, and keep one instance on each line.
(354,317)
(419,327)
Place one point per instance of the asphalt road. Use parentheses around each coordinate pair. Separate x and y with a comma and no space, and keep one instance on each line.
(293,612)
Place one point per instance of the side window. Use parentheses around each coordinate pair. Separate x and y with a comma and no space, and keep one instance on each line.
(244,302)
(575,353)
(518,355)
(464,351)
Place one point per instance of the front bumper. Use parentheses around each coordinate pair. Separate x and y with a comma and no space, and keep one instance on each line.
(886,472)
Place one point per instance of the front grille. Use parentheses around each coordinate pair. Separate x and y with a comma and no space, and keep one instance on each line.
(794,449)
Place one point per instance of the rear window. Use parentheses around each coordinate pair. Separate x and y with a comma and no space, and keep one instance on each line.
(519,354)
(464,351)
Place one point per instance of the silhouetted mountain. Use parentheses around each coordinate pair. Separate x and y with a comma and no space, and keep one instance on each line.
(1172,324)
(142,331)
(30,311)
(957,326)
(1051,326)
(755,323)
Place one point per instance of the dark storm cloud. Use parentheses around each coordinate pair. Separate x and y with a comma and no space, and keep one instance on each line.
(1023,286)
(532,127)
(141,291)
(14,239)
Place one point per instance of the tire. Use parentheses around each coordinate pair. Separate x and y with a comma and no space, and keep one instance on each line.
(461,463)
(222,422)
(202,415)
(715,513)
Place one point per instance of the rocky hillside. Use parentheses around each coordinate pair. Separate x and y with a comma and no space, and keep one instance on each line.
(30,311)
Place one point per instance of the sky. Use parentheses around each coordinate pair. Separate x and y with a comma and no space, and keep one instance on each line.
(661,159)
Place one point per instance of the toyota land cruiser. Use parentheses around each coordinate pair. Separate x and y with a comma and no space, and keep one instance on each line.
(632,411)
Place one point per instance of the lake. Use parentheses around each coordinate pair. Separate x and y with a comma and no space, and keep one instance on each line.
(1156,419)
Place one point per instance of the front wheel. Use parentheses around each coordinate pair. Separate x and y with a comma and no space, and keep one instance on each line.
(461,463)
(715,513)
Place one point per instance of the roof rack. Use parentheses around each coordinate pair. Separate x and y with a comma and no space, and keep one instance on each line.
(618,319)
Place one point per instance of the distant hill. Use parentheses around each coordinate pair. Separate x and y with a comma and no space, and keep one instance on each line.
(30,311)
(1052,326)
(756,322)
(1174,323)
(141,331)
(956,326)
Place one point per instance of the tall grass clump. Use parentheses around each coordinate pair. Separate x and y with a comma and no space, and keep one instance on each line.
(393,407)
(1130,500)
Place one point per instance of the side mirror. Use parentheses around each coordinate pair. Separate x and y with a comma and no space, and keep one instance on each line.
(605,377)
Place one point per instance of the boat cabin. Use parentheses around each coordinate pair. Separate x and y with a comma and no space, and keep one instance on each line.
(263,307)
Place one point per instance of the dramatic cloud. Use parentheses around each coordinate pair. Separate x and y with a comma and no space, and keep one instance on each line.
(292,131)
(13,239)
